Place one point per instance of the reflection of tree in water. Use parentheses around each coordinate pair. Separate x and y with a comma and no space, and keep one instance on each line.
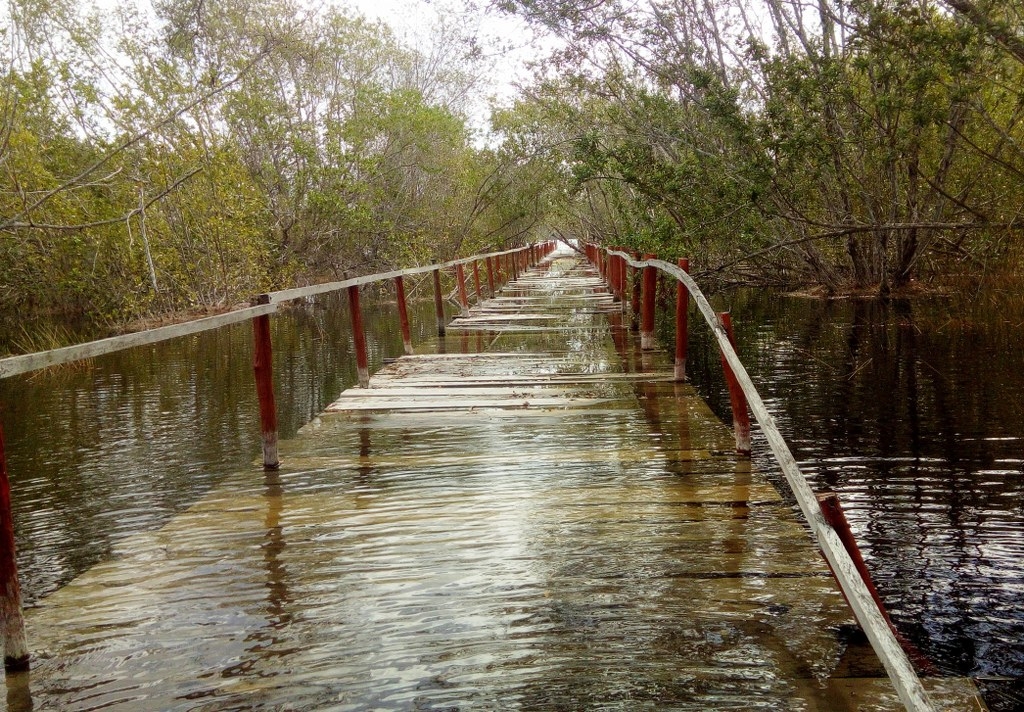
(910,411)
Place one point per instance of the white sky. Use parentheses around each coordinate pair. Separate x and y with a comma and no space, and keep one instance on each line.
(505,38)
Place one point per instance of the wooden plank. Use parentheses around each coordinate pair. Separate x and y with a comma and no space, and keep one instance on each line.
(455,389)
(448,404)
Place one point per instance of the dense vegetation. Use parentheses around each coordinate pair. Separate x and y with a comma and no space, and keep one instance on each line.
(189,154)
(857,144)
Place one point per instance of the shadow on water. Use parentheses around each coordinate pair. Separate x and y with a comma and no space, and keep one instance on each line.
(913,412)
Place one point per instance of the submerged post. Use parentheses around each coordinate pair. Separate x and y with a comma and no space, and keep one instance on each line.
(403,315)
(263,369)
(12,622)
(832,511)
(438,303)
(460,277)
(359,337)
(682,322)
(650,278)
(740,416)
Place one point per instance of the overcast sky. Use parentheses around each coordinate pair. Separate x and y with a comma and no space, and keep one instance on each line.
(500,35)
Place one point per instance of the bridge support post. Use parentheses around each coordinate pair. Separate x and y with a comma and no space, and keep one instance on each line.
(359,337)
(682,322)
(623,281)
(438,303)
(740,415)
(612,274)
(650,284)
(832,511)
(635,297)
(263,369)
(476,280)
(403,315)
(620,279)
(460,276)
(490,277)
(12,622)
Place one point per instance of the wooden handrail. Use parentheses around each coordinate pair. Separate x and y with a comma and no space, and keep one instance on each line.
(267,303)
(868,614)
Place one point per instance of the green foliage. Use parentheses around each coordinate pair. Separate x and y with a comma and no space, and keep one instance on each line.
(235,147)
(878,147)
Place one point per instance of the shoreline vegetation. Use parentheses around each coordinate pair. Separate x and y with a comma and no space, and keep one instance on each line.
(167,157)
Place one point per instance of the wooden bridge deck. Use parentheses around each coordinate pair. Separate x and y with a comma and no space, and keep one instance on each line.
(539,519)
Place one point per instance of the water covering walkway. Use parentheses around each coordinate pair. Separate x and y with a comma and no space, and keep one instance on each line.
(529,514)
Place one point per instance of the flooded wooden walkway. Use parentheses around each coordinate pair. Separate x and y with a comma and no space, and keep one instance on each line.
(528,514)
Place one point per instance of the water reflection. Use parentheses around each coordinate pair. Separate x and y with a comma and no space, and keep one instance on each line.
(912,411)
(99,451)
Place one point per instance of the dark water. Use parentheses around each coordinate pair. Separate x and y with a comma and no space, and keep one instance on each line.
(104,450)
(913,412)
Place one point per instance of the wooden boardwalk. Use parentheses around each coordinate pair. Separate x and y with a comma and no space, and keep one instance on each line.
(528,515)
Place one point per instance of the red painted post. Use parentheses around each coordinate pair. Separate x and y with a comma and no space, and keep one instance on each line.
(682,322)
(650,284)
(636,298)
(263,369)
(620,277)
(438,303)
(403,315)
(612,274)
(832,511)
(514,260)
(740,416)
(490,276)
(476,280)
(12,623)
(623,282)
(460,276)
(359,337)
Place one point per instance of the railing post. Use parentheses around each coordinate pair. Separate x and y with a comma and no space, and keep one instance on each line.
(490,277)
(12,622)
(832,511)
(635,299)
(650,278)
(623,267)
(514,260)
(460,276)
(263,369)
(438,303)
(682,322)
(740,416)
(476,280)
(612,274)
(359,337)
(403,315)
